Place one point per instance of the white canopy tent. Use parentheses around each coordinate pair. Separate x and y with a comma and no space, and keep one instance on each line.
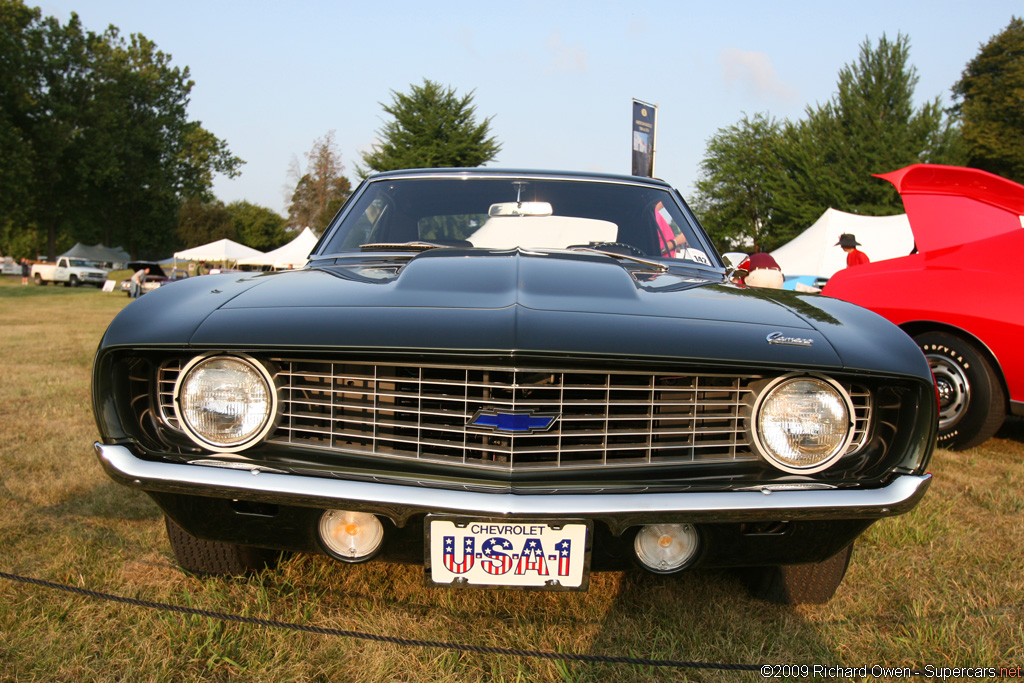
(814,251)
(99,253)
(292,255)
(224,250)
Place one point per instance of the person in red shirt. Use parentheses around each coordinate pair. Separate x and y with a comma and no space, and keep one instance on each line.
(854,256)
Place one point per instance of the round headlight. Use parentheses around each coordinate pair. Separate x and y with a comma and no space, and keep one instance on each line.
(225,402)
(803,424)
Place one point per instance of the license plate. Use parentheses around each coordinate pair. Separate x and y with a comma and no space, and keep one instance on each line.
(502,553)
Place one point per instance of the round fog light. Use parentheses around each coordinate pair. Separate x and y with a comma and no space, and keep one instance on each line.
(351,536)
(666,548)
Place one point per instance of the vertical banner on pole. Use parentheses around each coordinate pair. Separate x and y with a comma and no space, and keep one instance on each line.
(645,122)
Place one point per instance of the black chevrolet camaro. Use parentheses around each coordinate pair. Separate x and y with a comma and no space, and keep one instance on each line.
(515,379)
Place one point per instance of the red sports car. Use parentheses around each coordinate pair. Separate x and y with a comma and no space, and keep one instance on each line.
(955,295)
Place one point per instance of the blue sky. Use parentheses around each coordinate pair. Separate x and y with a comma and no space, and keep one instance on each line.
(557,77)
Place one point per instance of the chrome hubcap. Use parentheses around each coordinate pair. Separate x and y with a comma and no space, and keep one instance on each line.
(954,389)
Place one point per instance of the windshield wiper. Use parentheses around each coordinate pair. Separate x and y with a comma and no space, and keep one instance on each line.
(656,265)
(425,246)
(402,246)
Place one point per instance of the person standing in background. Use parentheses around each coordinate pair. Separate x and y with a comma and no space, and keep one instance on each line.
(854,256)
(137,281)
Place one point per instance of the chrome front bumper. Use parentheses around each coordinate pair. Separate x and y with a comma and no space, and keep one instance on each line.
(618,510)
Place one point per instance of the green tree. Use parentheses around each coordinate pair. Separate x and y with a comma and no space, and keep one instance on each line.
(870,126)
(143,155)
(431,127)
(97,131)
(257,226)
(320,187)
(200,222)
(989,101)
(16,164)
(797,170)
(57,74)
(735,189)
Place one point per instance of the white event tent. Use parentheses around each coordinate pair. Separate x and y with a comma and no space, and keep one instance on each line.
(814,251)
(98,253)
(221,251)
(292,255)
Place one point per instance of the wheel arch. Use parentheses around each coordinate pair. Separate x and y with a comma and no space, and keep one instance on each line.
(916,327)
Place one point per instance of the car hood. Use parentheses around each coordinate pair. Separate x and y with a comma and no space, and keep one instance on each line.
(155,269)
(475,301)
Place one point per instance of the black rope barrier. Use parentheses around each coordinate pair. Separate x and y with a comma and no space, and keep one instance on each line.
(406,642)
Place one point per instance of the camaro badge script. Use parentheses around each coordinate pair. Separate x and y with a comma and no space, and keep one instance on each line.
(512,421)
(779,338)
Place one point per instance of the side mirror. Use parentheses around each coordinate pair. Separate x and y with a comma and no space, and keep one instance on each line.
(733,259)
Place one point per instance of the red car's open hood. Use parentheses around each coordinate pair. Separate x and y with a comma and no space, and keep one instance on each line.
(952,205)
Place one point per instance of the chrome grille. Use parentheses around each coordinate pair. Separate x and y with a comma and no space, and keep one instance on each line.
(604,418)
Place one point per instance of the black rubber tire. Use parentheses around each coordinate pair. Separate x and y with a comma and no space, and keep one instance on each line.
(39,280)
(800,584)
(200,556)
(74,281)
(972,404)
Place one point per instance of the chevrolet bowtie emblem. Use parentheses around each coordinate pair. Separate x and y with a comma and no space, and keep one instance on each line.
(512,421)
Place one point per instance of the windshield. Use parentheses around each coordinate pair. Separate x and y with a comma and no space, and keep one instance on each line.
(529,213)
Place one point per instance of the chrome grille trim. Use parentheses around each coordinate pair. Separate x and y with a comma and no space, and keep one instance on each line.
(606,418)
(863,408)
(421,412)
(166,377)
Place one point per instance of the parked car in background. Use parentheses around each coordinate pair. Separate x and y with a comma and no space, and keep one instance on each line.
(72,272)
(956,295)
(515,378)
(156,277)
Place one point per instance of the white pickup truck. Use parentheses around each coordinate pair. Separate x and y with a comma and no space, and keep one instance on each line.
(71,271)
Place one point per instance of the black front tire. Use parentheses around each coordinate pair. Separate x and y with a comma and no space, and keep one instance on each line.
(972,404)
(800,584)
(200,556)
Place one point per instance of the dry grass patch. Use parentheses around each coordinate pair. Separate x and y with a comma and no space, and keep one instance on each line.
(939,586)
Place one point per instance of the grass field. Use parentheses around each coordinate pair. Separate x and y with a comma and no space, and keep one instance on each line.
(942,586)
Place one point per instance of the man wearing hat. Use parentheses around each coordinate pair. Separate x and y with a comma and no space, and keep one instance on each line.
(854,256)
